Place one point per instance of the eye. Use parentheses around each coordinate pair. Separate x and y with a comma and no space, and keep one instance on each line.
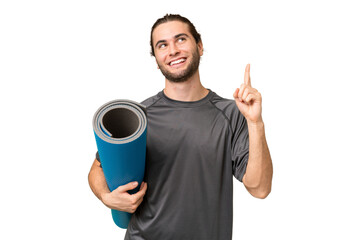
(181,39)
(162,45)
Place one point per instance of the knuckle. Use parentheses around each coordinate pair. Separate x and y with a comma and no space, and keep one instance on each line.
(133,201)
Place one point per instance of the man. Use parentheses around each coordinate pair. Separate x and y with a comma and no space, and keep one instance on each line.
(196,142)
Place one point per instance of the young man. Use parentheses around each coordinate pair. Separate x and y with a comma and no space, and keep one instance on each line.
(196,142)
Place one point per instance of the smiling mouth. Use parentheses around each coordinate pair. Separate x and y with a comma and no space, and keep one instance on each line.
(176,62)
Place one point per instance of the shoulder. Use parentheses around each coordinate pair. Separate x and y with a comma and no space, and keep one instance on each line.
(229,109)
(151,100)
(226,106)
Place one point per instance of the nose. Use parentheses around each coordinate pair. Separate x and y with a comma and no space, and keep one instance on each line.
(173,49)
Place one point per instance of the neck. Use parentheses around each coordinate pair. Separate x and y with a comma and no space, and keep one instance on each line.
(188,91)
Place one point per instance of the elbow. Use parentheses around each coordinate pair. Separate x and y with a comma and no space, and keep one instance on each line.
(258,187)
(262,194)
(258,190)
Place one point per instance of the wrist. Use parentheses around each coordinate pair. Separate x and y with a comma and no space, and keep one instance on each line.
(256,128)
(255,124)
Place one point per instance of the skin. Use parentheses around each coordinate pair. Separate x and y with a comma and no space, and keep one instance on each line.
(181,48)
(119,199)
(167,48)
(259,171)
(173,41)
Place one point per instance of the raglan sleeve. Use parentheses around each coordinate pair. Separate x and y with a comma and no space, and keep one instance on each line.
(239,144)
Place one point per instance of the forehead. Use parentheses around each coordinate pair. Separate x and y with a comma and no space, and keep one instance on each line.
(168,30)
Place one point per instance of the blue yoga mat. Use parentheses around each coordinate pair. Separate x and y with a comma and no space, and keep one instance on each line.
(120,132)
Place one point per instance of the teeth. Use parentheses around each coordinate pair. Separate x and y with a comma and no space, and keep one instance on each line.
(177,61)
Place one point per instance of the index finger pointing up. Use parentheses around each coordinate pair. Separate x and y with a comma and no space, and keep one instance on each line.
(247,75)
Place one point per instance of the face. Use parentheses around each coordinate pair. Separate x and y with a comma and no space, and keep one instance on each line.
(176,51)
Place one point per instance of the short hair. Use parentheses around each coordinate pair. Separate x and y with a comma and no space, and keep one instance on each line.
(174,17)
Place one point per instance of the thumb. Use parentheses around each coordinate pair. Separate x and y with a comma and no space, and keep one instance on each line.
(235,95)
(127,187)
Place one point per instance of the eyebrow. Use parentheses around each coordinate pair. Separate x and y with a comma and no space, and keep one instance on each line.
(176,36)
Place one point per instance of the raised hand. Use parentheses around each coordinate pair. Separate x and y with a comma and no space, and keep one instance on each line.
(248,99)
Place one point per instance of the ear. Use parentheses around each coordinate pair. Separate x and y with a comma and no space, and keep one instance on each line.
(200,47)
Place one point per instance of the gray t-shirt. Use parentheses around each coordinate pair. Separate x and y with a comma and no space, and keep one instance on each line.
(193,150)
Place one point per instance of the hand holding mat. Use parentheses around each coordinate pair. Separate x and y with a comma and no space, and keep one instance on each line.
(120,134)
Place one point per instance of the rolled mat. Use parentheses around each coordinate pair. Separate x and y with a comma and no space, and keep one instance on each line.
(120,132)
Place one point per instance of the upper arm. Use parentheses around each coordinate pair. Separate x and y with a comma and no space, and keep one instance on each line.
(96,164)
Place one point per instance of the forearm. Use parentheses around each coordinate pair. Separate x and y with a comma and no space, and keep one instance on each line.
(259,171)
(97,180)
